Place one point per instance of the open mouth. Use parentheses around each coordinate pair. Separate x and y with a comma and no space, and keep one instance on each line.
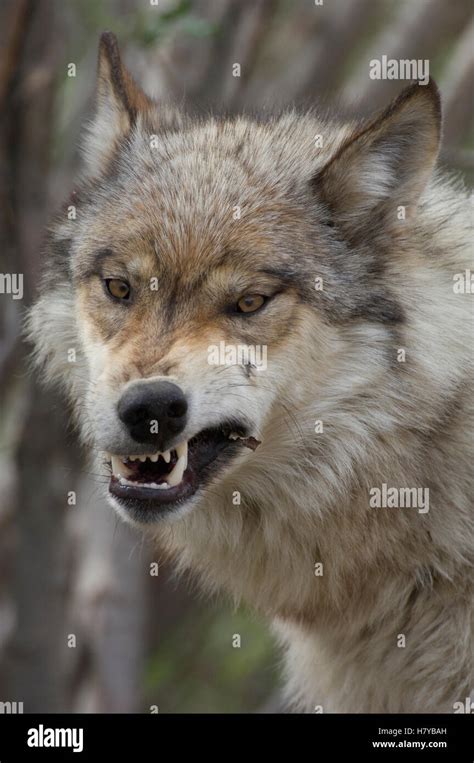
(158,482)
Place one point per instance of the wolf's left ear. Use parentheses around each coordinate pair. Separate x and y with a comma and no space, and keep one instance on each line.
(389,159)
(118,101)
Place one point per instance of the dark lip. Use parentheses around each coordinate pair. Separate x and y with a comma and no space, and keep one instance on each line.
(210,451)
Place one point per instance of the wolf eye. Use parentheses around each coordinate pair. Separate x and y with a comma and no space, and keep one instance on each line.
(250,303)
(117,288)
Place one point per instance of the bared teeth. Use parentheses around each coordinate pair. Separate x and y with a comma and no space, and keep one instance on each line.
(151,457)
(122,471)
(176,474)
(119,469)
(146,485)
(182,452)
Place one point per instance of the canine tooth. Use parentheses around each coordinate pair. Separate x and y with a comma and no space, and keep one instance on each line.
(118,467)
(182,452)
(175,477)
(181,449)
(167,456)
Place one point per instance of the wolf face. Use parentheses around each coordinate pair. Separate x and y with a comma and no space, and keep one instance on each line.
(196,235)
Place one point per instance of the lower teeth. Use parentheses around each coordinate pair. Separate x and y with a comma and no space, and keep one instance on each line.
(153,485)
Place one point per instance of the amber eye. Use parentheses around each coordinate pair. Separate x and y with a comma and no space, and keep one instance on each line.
(250,303)
(117,288)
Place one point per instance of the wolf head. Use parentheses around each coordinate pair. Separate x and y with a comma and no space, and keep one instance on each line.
(211,282)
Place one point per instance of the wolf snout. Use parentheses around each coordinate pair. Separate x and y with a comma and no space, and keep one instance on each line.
(153,412)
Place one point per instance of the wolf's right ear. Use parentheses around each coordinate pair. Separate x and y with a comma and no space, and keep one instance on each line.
(118,101)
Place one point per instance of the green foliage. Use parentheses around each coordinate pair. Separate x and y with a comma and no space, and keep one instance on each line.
(147,24)
(149,29)
(197,669)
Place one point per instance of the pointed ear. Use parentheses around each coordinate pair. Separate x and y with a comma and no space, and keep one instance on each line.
(118,101)
(388,160)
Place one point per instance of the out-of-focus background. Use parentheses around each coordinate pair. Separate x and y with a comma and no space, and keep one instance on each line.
(86,624)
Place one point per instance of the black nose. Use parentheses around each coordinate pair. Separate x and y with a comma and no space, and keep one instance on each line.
(153,412)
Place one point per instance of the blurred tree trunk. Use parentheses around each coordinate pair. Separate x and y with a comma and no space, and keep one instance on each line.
(414,33)
(107,607)
(458,85)
(35,503)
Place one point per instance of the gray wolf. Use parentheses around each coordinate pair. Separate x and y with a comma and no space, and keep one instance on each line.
(336,247)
